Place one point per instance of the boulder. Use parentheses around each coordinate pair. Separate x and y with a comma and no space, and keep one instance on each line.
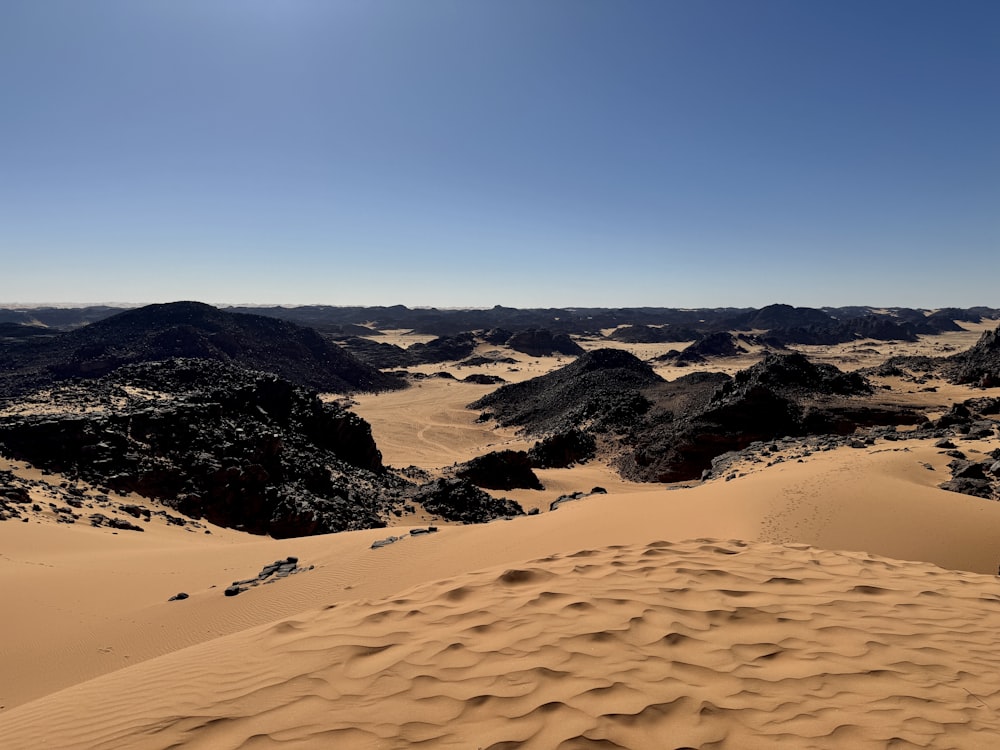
(500,470)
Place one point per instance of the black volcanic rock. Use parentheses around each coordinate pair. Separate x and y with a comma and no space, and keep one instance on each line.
(500,470)
(943,321)
(781,395)
(481,379)
(240,448)
(600,390)
(877,327)
(794,373)
(378,354)
(639,334)
(563,449)
(460,500)
(776,316)
(660,431)
(543,343)
(979,365)
(443,349)
(23,331)
(497,336)
(718,344)
(193,330)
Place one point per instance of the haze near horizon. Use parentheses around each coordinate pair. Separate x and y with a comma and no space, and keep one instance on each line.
(684,154)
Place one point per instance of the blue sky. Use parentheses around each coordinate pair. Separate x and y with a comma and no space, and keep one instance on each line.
(523,152)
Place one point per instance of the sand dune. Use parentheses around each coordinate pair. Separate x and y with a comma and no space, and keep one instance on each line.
(94,603)
(665,645)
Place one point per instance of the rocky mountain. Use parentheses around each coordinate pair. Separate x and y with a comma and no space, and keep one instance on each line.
(192,330)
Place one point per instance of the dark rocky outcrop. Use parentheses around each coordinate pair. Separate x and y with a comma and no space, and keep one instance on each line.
(268,574)
(543,343)
(980,365)
(490,358)
(795,374)
(781,395)
(377,353)
(482,379)
(563,449)
(500,470)
(190,330)
(443,349)
(497,336)
(664,432)
(976,478)
(460,500)
(366,321)
(600,390)
(639,334)
(877,327)
(239,448)
(718,344)
(780,316)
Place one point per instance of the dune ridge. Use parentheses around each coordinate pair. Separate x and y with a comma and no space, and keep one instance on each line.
(703,643)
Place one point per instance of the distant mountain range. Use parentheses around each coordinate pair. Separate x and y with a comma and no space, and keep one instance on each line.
(852,322)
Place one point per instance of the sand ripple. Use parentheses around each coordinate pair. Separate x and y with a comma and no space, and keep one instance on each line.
(700,644)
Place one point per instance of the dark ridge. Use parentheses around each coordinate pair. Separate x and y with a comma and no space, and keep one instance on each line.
(341,321)
(378,354)
(23,331)
(718,344)
(783,316)
(543,343)
(639,334)
(794,374)
(443,349)
(193,330)
(877,327)
(600,389)
(58,318)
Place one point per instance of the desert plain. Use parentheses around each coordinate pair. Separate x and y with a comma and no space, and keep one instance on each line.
(801,594)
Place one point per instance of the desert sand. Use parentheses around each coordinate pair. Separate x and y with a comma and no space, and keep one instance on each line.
(835,600)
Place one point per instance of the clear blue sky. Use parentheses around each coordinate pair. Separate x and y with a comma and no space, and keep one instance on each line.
(515,152)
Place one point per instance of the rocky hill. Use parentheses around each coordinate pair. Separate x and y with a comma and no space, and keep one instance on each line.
(192,330)
(640,334)
(658,431)
(541,342)
(599,390)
